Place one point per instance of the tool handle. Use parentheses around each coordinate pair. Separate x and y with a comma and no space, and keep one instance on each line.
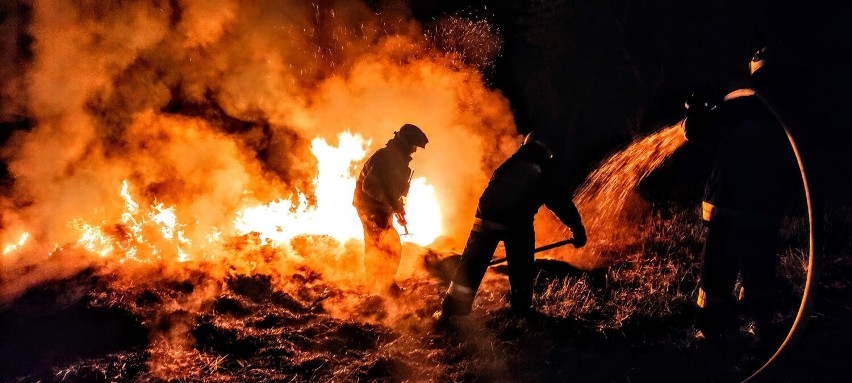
(553,245)
(537,250)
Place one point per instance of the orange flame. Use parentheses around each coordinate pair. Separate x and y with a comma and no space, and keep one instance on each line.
(150,233)
(280,221)
(205,118)
(17,245)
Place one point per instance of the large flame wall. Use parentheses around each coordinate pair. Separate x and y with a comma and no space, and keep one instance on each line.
(205,108)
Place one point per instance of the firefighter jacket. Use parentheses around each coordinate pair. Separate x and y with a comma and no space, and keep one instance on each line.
(384,180)
(519,187)
(753,170)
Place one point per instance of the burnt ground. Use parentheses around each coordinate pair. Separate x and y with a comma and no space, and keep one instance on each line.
(50,334)
(600,326)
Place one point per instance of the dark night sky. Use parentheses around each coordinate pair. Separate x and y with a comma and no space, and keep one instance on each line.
(610,70)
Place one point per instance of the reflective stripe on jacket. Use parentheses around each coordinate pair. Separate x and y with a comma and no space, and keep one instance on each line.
(739,218)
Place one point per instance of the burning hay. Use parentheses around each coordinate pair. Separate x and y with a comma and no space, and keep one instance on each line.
(163,133)
(179,207)
(177,147)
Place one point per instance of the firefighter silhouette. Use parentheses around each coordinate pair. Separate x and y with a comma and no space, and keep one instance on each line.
(506,209)
(383,182)
(744,203)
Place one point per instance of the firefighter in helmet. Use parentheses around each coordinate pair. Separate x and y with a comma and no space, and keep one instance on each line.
(506,209)
(744,202)
(383,182)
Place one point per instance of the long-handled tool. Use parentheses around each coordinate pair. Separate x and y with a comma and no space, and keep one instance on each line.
(404,223)
(537,249)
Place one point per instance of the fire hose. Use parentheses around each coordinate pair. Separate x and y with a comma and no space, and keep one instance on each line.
(537,250)
(815,245)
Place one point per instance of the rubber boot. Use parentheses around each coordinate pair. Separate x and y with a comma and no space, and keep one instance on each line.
(715,317)
(521,300)
(457,302)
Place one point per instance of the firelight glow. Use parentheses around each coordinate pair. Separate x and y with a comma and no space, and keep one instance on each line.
(333,215)
(148,233)
(136,237)
(14,246)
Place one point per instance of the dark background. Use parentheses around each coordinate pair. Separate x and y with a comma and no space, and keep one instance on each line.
(609,71)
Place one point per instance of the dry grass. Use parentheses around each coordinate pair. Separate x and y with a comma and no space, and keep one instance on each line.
(624,325)
(653,282)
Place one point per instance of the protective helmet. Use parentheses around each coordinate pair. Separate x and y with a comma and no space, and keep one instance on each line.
(782,55)
(759,59)
(701,101)
(413,136)
(534,138)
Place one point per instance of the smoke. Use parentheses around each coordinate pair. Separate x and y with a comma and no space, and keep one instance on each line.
(13,53)
(197,109)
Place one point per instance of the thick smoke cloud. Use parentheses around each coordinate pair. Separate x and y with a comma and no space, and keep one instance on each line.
(13,52)
(209,106)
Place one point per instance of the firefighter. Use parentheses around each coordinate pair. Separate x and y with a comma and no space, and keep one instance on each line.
(744,202)
(506,209)
(383,182)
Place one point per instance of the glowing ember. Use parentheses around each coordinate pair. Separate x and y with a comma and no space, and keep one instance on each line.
(203,111)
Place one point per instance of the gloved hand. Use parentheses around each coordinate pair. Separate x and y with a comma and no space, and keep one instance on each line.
(700,102)
(699,108)
(579,237)
(400,217)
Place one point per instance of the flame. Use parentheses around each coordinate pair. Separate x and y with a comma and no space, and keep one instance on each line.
(177,133)
(424,214)
(17,245)
(154,232)
(333,215)
(92,238)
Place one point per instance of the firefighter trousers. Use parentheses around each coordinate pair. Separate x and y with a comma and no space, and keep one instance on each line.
(474,262)
(382,249)
(728,251)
